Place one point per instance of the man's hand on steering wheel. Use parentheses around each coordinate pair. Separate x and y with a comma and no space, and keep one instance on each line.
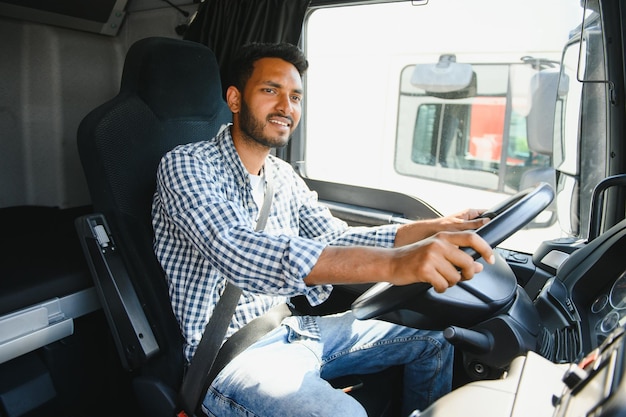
(421,229)
(439,260)
(506,217)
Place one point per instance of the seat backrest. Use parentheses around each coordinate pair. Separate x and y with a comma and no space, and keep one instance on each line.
(170,94)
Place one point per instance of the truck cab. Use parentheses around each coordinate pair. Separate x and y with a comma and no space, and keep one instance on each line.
(412,110)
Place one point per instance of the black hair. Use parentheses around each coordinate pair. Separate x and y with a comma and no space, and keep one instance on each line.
(242,64)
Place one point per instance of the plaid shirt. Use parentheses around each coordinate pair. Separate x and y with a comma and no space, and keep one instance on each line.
(204,219)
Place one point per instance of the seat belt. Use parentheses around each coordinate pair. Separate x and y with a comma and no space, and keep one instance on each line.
(194,381)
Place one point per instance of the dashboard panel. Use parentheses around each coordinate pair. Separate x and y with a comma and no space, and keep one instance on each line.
(590,287)
(608,311)
(586,300)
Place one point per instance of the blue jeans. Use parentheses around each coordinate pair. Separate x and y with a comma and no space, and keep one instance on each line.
(286,372)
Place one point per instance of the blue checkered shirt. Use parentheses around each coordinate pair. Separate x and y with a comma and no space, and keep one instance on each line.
(204,219)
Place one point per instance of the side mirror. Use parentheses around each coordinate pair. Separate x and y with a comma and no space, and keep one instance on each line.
(445,79)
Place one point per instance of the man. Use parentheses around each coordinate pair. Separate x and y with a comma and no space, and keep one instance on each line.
(205,208)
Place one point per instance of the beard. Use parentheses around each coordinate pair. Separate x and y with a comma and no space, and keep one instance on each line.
(252,128)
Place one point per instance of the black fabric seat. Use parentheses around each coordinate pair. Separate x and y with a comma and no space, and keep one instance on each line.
(170,94)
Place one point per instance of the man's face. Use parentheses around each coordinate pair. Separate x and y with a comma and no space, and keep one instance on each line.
(271,103)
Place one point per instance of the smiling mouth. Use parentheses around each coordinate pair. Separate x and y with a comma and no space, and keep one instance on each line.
(286,122)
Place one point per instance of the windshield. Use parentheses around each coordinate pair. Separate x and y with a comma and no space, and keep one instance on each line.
(455,111)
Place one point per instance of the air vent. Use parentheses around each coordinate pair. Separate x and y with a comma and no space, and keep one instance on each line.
(562,345)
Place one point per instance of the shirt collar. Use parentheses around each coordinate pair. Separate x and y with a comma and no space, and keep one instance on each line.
(232,158)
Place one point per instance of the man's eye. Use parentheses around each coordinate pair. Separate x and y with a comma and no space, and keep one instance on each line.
(297,99)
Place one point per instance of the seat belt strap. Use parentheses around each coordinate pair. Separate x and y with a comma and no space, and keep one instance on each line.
(193,383)
(267,200)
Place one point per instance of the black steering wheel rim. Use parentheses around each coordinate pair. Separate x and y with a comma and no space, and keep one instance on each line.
(506,218)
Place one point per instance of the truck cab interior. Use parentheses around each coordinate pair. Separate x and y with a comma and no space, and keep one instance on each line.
(92,97)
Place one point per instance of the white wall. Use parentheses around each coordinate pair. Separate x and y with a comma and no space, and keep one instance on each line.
(50,78)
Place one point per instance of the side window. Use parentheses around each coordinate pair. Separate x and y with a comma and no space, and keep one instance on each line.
(584,86)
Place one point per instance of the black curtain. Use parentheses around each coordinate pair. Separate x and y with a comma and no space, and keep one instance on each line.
(226,25)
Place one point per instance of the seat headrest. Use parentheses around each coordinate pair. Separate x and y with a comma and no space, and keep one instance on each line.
(175,78)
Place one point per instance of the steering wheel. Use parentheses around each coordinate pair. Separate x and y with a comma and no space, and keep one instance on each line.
(418,305)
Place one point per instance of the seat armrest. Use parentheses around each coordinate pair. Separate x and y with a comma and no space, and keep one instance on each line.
(133,336)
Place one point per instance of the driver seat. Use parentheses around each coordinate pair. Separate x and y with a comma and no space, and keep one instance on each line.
(170,94)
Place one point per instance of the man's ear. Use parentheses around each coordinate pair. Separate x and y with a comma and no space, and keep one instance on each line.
(233,99)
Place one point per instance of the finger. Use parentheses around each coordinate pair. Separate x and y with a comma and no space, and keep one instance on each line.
(480,212)
(451,274)
(474,224)
(478,267)
(427,262)
(470,240)
(459,225)
(461,266)
(483,248)
(468,274)
(441,282)
(474,213)
(469,214)
(457,266)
